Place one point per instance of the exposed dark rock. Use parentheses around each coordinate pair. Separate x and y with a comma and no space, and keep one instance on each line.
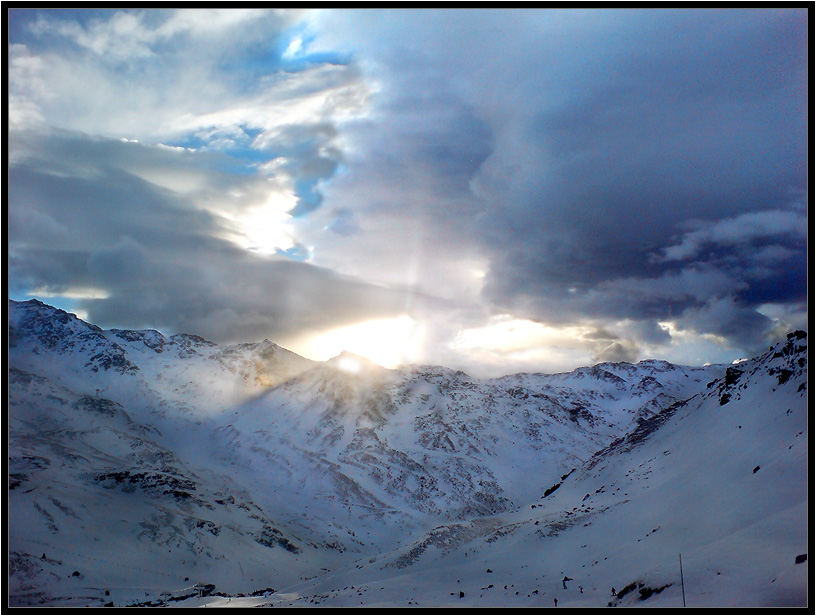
(271,537)
(732,375)
(112,359)
(644,592)
(101,406)
(578,412)
(647,592)
(551,489)
(163,483)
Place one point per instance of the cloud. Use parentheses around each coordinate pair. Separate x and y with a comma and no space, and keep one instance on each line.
(170,259)
(206,79)
(238,297)
(589,140)
(634,173)
(727,317)
(116,36)
(127,260)
(618,351)
(739,230)
(584,196)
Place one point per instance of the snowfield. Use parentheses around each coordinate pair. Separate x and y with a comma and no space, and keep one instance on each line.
(154,470)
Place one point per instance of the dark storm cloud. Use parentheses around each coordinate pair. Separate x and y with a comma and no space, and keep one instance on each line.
(705,119)
(730,318)
(579,153)
(159,256)
(597,137)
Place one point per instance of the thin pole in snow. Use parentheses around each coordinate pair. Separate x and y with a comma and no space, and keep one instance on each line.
(682,583)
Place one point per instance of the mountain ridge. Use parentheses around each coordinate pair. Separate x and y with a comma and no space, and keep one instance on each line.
(250,454)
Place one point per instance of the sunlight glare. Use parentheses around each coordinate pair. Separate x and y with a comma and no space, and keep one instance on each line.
(349,364)
(510,335)
(387,342)
(268,228)
(71,292)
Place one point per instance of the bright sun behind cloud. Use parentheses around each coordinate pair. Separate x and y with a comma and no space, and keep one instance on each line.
(268,228)
(387,342)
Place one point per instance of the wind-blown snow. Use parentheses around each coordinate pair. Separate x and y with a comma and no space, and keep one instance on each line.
(145,468)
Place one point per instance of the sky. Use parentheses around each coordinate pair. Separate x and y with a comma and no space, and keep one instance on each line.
(494,190)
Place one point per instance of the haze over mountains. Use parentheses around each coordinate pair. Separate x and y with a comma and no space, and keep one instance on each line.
(152,469)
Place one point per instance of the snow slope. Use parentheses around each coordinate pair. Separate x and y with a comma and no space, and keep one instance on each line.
(720,480)
(141,465)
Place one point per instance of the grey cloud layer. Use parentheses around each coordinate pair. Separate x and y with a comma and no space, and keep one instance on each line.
(90,223)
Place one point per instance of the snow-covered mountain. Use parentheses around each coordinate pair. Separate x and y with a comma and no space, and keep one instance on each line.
(152,469)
